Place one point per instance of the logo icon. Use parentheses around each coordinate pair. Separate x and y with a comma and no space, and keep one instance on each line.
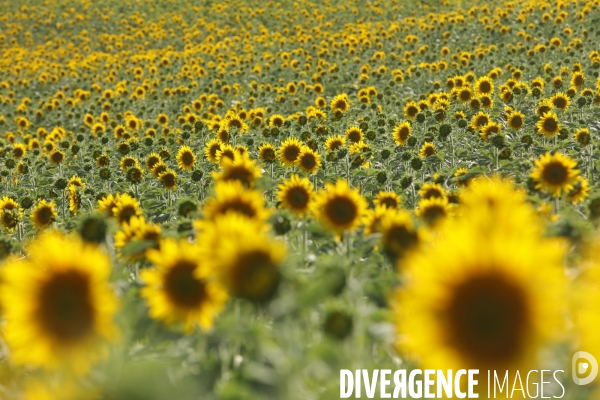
(584,364)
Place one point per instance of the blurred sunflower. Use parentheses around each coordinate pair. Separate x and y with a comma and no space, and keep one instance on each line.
(43,213)
(427,150)
(63,316)
(335,142)
(242,170)
(179,289)
(232,197)
(242,257)
(479,308)
(387,199)
(267,153)
(432,190)
(354,134)
(125,208)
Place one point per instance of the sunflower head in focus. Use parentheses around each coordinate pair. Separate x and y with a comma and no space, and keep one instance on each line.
(58,304)
(548,125)
(401,133)
(267,153)
(335,142)
(289,151)
(427,150)
(555,173)
(178,288)
(211,148)
(169,179)
(308,160)
(340,103)
(295,194)
(186,159)
(339,207)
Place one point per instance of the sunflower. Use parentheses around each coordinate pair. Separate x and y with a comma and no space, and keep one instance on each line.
(19,150)
(267,153)
(340,103)
(555,173)
(10,213)
(225,154)
(427,150)
(128,162)
(387,199)
(232,197)
(411,109)
(162,119)
(276,120)
(432,190)
(43,214)
(548,125)
(242,169)
(335,142)
(137,229)
(577,79)
(125,208)
(179,288)
(561,101)
(185,158)
(401,133)
(295,194)
(492,128)
(484,86)
(480,308)
(211,148)
(354,134)
(399,234)
(339,207)
(372,218)
(480,119)
(434,210)
(308,160)
(580,191)
(103,161)
(57,156)
(57,304)
(152,160)
(289,151)
(463,93)
(74,193)
(582,136)
(241,256)
(235,121)
(168,179)
(515,120)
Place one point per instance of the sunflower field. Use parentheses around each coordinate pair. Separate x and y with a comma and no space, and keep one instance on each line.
(237,200)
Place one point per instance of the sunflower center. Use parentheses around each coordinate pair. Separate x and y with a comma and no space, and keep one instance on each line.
(238,206)
(485,87)
(341,211)
(399,238)
(168,180)
(297,197)
(187,158)
(126,213)
(65,307)
(44,215)
(182,287)
(555,173)
(255,276)
(550,125)
(268,155)
(433,213)
(291,153)
(403,133)
(487,318)
(308,161)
